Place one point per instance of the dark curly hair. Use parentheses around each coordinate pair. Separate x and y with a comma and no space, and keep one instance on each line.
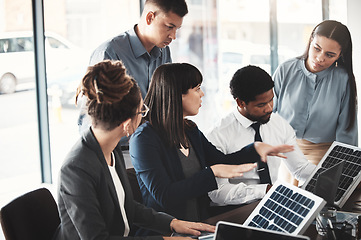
(250,81)
(112,95)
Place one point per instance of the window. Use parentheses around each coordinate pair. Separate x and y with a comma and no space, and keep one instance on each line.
(24,44)
(5,46)
(19,141)
(54,43)
(296,19)
(16,44)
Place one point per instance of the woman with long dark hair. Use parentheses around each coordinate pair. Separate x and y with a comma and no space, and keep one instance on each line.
(176,165)
(316,92)
(95,197)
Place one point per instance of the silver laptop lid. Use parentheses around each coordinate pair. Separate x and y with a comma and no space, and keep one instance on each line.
(232,231)
(327,183)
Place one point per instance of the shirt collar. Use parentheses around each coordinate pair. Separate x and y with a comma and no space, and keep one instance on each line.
(245,122)
(138,48)
(311,75)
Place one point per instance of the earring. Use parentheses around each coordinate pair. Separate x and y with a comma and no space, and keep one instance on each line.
(336,64)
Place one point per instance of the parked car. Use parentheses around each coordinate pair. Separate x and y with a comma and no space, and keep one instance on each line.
(65,63)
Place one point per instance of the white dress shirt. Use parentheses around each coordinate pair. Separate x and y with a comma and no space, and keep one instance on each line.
(120,194)
(234,132)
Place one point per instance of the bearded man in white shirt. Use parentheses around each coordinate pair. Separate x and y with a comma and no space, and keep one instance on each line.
(252,88)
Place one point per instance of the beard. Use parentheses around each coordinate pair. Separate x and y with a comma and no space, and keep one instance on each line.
(261,119)
(264,120)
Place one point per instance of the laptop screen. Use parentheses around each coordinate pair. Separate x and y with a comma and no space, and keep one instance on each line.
(327,183)
(232,231)
(351,172)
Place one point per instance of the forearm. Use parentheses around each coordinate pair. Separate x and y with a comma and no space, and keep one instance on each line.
(170,193)
(247,154)
(298,165)
(233,194)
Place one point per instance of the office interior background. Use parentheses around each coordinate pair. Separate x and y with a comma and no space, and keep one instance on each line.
(218,36)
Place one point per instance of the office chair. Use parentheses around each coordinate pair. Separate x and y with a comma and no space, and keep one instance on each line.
(132,177)
(33,215)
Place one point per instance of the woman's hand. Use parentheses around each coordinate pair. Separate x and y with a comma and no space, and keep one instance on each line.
(231,171)
(192,228)
(264,150)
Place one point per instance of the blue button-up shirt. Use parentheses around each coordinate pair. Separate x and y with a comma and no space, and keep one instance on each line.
(315,104)
(139,63)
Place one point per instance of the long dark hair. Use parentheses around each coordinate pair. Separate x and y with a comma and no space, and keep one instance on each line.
(164,100)
(338,32)
(112,95)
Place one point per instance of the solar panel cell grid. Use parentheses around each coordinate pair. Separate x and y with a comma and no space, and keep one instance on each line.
(285,209)
(350,173)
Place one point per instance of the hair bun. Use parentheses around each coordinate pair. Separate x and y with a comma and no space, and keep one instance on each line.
(99,93)
(107,82)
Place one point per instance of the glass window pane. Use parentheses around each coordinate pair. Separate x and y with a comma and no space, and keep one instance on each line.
(197,43)
(24,44)
(296,19)
(245,37)
(74,28)
(19,142)
(338,10)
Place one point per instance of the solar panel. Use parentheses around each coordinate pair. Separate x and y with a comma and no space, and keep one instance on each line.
(286,208)
(351,172)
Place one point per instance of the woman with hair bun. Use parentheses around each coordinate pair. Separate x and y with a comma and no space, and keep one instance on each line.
(316,92)
(94,196)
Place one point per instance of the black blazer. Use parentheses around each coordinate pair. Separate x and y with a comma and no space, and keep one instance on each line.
(160,173)
(88,203)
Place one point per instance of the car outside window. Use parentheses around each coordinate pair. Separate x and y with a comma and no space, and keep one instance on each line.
(54,43)
(24,44)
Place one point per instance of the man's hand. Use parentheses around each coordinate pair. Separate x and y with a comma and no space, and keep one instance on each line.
(264,150)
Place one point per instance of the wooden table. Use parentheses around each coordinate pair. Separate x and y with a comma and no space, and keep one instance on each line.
(240,214)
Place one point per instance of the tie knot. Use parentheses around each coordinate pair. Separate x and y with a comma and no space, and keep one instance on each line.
(257,136)
(256,126)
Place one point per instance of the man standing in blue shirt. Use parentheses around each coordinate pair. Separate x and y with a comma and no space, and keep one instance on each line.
(144,47)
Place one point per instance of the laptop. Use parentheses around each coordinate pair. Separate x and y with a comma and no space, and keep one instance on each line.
(327,183)
(233,231)
(351,172)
